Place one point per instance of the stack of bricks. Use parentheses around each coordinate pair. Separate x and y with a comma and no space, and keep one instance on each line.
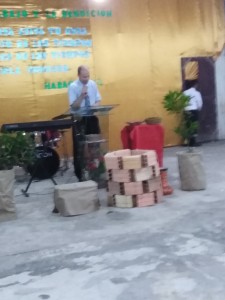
(133,178)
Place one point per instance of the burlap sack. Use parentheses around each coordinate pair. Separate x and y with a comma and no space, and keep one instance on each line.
(7,191)
(76,198)
(191,169)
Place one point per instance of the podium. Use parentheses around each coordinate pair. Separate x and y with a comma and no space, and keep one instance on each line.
(90,135)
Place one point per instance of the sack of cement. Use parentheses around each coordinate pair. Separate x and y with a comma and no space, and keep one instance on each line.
(191,169)
(7,191)
(76,198)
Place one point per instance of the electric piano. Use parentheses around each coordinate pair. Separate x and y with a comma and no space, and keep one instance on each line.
(38,126)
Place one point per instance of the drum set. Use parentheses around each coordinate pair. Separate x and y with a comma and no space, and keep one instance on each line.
(47,159)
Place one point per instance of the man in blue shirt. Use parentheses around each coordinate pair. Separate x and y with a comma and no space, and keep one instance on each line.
(83,92)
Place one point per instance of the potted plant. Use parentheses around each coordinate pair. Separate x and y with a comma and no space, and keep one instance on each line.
(16,149)
(192,174)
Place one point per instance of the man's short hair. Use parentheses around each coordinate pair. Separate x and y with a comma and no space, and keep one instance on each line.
(190,84)
(80,68)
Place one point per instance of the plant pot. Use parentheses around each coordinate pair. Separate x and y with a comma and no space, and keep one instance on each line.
(191,169)
(7,191)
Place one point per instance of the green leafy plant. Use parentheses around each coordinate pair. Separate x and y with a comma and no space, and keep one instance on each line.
(16,149)
(175,103)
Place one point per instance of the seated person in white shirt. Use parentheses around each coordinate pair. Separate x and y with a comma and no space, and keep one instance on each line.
(194,106)
(83,92)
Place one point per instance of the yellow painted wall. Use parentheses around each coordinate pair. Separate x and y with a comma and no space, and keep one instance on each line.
(136,54)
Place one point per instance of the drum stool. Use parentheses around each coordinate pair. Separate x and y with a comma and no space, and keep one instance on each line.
(76,198)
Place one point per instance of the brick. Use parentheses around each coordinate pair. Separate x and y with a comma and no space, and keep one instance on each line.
(114,188)
(158,196)
(126,188)
(156,170)
(153,185)
(122,201)
(111,201)
(143,174)
(122,175)
(140,152)
(149,159)
(131,162)
(131,159)
(121,153)
(109,175)
(145,200)
(112,162)
(133,188)
(137,175)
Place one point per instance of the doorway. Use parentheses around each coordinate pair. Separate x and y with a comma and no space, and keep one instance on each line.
(208,115)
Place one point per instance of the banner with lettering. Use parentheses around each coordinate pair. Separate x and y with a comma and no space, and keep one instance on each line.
(42,42)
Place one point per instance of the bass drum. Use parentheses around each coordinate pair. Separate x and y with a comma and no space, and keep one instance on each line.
(47,163)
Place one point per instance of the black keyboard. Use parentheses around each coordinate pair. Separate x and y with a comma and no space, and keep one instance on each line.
(38,126)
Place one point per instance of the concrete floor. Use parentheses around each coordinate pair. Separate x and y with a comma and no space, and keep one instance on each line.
(175,250)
